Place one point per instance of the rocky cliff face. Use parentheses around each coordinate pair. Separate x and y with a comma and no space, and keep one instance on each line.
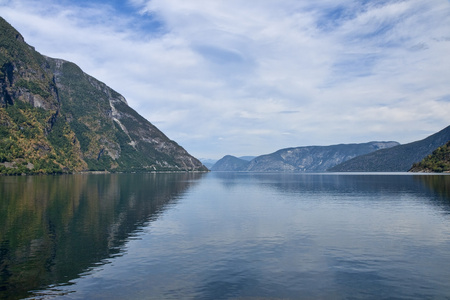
(56,118)
(301,159)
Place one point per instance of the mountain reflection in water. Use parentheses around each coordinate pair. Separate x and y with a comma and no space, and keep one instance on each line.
(53,228)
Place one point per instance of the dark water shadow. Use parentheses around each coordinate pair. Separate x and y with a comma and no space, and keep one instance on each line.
(435,187)
(439,188)
(54,228)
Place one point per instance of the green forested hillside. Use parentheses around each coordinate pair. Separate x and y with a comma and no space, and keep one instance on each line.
(30,145)
(54,118)
(437,162)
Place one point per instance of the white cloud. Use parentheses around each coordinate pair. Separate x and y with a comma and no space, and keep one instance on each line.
(241,78)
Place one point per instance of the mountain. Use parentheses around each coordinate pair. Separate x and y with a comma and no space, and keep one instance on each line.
(207,162)
(230,163)
(395,159)
(300,159)
(54,118)
(247,158)
(437,162)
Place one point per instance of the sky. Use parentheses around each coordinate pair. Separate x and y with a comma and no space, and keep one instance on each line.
(252,77)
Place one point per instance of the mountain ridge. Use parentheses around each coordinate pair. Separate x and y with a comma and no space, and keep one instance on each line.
(300,159)
(396,159)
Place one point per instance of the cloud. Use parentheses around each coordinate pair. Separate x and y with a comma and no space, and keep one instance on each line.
(233,77)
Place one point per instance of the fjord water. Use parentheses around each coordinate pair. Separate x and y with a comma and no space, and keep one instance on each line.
(225,236)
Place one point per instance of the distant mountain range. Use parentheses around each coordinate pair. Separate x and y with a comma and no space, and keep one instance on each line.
(54,118)
(396,159)
(300,159)
(366,157)
(230,163)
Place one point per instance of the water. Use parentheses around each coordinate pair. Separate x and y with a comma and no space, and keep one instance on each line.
(225,236)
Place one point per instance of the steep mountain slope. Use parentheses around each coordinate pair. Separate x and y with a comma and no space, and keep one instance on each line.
(55,118)
(396,159)
(301,159)
(437,162)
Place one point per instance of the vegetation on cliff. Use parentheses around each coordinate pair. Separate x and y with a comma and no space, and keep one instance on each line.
(437,162)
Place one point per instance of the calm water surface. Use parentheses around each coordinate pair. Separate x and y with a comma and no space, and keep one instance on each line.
(225,236)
